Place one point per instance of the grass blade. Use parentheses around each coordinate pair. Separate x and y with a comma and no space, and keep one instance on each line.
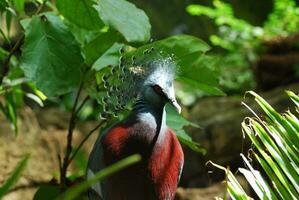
(75,191)
(16,174)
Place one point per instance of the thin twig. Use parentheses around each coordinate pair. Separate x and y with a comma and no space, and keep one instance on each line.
(5,68)
(86,138)
(59,162)
(82,104)
(69,148)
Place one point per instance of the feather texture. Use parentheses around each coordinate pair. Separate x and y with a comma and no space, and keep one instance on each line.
(143,132)
(156,176)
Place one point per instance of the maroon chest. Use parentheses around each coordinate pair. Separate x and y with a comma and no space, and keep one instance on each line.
(155,177)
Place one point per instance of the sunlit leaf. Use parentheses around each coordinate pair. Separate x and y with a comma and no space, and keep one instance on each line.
(110,57)
(80,12)
(51,57)
(124,17)
(19,5)
(176,122)
(98,46)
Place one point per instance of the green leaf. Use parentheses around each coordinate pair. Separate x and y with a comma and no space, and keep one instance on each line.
(233,186)
(75,191)
(124,17)
(3,5)
(110,57)
(25,22)
(51,57)
(80,12)
(3,55)
(47,192)
(179,46)
(176,122)
(19,5)
(11,111)
(256,180)
(188,52)
(201,86)
(8,22)
(16,174)
(182,45)
(98,46)
(294,97)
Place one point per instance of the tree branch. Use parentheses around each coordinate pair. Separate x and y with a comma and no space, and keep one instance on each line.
(85,139)
(69,147)
(82,104)
(5,68)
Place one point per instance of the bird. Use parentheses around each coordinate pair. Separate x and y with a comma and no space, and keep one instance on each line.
(147,82)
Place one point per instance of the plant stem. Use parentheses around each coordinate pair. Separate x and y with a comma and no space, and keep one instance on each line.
(85,139)
(69,148)
(5,68)
(82,104)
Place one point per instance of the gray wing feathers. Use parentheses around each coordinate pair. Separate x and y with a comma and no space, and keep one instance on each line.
(95,164)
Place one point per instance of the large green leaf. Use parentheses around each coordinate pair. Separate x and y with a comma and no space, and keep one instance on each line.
(51,57)
(110,57)
(124,17)
(19,5)
(182,45)
(99,45)
(179,46)
(195,68)
(14,176)
(176,122)
(80,12)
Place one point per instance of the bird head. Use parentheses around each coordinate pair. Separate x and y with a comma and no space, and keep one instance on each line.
(158,88)
(148,76)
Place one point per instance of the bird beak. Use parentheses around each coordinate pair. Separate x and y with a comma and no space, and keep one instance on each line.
(170,95)
(176,106)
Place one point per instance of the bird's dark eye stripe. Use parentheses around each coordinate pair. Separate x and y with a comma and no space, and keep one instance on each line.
(160,91)
(157,89)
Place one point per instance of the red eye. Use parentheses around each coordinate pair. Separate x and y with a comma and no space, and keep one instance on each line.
(157,89)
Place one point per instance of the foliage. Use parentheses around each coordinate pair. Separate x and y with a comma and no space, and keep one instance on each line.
(75,191)
(177,123)
(242,41)
(275,147)
(66,46)
(60,53)
(14,177)
(53,191)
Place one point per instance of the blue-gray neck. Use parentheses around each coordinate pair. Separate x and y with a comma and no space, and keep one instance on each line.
(150,115)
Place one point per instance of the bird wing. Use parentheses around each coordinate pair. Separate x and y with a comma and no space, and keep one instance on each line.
(111,138)
(95,164)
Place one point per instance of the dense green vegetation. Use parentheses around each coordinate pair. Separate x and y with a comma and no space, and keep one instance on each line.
(275,142)
(61,49)
(68,45)
(242,42)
